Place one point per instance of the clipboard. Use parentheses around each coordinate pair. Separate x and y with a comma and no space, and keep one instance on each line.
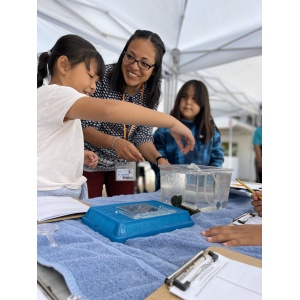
(164,293)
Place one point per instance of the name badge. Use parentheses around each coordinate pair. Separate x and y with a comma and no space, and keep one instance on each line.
(125,171)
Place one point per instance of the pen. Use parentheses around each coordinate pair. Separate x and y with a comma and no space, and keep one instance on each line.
(213,257)
(248,188)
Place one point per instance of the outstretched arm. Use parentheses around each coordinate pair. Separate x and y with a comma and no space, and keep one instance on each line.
(88,108)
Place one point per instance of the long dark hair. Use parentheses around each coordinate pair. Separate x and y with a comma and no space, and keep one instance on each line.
(117,81)
(76,49)
(204,121)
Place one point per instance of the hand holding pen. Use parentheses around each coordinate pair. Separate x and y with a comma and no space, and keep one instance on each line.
(256,196)
(257,202)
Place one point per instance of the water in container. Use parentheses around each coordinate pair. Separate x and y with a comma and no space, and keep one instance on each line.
(201,187)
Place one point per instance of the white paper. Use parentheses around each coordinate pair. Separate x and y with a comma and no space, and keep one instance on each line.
(49,207)
(255,220)
(248,218)
(252,185)
(222,279)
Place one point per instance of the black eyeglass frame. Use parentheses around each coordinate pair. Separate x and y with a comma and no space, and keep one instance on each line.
(138,60)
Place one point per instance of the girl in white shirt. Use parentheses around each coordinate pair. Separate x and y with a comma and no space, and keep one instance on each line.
(74,66)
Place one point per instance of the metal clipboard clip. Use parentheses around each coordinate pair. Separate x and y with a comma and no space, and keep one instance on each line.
(243,218)
(178,277)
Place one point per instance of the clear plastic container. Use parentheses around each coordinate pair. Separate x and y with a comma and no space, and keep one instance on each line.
(201,187)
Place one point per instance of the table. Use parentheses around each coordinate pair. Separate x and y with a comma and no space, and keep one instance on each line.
(93,266)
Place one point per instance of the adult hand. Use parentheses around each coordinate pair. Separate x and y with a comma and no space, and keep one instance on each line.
(90,159)
(127,150)
(256,202)
(239,235)
(179,131)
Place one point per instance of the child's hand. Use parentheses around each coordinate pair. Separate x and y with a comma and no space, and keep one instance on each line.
(179,131)
(90,159)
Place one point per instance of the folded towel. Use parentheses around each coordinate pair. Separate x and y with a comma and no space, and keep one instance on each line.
(97,268)
(94,266)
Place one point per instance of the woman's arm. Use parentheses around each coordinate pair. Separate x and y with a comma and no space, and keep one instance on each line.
(124,149)
(150,153)
(97,138)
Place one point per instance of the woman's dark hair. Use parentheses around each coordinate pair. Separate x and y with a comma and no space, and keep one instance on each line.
(76,49)
(117,81)
(204,121)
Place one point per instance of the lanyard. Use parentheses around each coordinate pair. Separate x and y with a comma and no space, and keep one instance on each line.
(132,126)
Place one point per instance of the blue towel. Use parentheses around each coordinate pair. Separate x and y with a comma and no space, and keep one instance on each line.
(97,268)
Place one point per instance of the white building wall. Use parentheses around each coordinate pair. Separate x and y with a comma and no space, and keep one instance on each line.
(245,153)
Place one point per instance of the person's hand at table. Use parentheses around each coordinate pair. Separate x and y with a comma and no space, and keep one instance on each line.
(256,202)
(243,235)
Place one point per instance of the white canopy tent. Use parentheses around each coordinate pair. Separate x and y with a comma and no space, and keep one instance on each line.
(216,41)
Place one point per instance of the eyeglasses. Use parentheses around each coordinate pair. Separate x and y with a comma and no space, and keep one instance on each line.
(143,65)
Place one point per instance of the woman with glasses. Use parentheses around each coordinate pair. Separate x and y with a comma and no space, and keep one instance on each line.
(135,78)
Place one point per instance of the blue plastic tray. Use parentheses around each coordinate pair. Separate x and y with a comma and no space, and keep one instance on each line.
(120,222)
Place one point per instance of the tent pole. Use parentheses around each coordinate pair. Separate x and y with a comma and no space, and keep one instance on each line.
(230,144)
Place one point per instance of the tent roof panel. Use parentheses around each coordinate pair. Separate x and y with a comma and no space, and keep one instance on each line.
(214,38)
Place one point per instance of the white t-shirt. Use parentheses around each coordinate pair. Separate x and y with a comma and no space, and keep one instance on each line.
(60,145)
